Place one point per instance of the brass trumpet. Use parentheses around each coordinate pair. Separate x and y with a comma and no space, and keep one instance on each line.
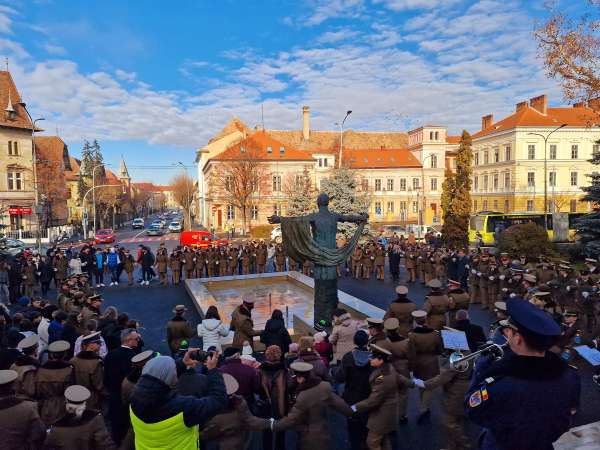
(460,362)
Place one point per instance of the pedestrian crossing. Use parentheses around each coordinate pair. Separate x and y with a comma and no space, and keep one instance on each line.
(135,240)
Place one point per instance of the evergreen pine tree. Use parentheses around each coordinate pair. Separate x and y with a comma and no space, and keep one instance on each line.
(87,162)
(301,195)
(588,226)
(98,159)
(341,186)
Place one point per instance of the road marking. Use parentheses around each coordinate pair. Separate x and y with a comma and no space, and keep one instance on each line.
(141,232)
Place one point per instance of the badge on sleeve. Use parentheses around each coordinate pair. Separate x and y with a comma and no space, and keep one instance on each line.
(475,399)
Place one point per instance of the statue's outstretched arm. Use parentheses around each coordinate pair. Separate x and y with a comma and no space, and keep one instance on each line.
(277,219)
(360,218)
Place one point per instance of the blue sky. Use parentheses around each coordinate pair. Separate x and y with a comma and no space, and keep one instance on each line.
(154,81)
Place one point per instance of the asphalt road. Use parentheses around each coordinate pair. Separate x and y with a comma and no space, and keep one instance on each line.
(152,305)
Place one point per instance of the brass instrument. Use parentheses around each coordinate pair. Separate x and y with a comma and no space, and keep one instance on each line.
(460,362)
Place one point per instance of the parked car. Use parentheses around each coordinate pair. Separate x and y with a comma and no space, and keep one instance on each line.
(138,223)
(200,239)
(175,227)
(155,230)
(157,223)
(11,247)
(276,235)
(104,236)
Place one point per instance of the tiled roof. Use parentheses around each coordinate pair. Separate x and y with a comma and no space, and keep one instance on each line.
(531,117)
(7,86)
(143,186)
(51,148)
(263,147)
(71,175)
(380,159)
(453,139)
(111,178)
(164,188)
(235,124)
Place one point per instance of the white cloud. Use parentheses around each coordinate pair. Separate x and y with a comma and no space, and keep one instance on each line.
(5,19)
(403,5)
(333,37)
(318,11)
(125,76)
(53,49)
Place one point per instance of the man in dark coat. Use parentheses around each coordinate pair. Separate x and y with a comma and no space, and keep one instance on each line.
(394,262)
(10,354)
(474,333)
(246,376)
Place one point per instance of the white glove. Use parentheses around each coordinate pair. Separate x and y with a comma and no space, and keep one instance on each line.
(473,271)
(512,295)
(353,408)
(491,278)
(467,266)
(502,277)
(272,422)
(585,294)
(568,288)
(478,274)
(419,383)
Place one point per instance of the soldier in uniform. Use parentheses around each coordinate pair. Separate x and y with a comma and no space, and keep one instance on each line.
(424,347)
(457,299)
(233,261)
(292,264)
(356,260)
(482,270)
(428,267)
(401,308)
(380,262)
(242,324)
(436,305)
(279,259)
(199,263)
(527,399)
(495,333)
(544,272)
(585,303)
(398,346)
(22,428)
(246,261)
(178,329)
(89,369)
(222,262)
(492,280)
(306,268)
(503,275)
(473,280)
(367,263)
(91,310)
(188,262)
(53,377)
(26,366)
(261,257)
(129,266)
(375,330)
(175,265)
(411,265)
(81,428)
(162,264)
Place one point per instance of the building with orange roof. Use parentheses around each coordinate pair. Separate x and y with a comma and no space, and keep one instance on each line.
(17,190)
(53,162)
(515,155)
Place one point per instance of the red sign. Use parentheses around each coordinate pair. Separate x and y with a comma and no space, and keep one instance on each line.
(19,211)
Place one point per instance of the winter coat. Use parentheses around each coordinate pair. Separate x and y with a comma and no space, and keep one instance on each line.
(309,414)
(342,335)
(455,386)
(424,347)
(319,368)
(246,376)
(401,309)
(89,372)
(274,387)
(86,433)
(382,403)
(147,260)
(46,272)
(99,260)
(53,378)
(275,333)
(212,331)
(75,266)
(241,323)
(112,260)
(354,370)
(22,428)
(178,329)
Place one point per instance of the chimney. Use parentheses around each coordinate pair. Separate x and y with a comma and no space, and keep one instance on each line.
(306,123)
(579,105)
(594,103)
(539,103)
(487,121)
(522,105)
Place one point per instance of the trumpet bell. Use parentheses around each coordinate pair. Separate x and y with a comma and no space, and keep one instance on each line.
(458,362)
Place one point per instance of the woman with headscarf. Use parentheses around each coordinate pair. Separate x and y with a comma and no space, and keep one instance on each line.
(161,418)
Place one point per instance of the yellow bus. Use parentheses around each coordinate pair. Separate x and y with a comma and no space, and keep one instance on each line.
(490,224)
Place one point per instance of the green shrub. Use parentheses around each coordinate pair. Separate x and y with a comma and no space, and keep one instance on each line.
(526,239)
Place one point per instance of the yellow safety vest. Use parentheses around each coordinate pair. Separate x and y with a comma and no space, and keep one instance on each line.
(171,433)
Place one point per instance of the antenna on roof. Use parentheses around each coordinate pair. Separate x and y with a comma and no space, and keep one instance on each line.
(6,62)
(262,115)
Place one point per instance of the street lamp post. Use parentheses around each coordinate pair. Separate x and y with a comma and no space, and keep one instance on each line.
(38,240)
(424,204)
(342,137)
(189,202)
(545,138)
(94,192)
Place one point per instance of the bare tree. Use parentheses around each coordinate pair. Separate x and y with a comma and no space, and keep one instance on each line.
(183,192)
(571,53)
(237,181)
(560,201)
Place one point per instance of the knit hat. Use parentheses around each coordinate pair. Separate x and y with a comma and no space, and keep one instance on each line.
(361,338)
(294,347)
(320,337)
(163,368)
(273,353)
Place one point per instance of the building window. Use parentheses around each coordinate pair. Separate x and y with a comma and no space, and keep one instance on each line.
(402,206)
(402,184)
(270,150)
(228,183)
(476,183)
(15,181)
(574,151)
(495,205)
(390,184)
(485,204)
(486,157)
(573,206)
(434,184)
(230,212)
(529,205)
(495,181)
(320,162)
(476,161)
(573,178)
(505,205)
(254,212)
(431,135)
(531,179)
(595,149)
(281,150)
(506,181)
(531,151)
(377,184)
(496,155)
(553,150)
(437,136)
(364,184)
(415,207)
(552,179)
(415,184)
(277,210)
(276,183)
(474,205)
(390,207)
(485,183)
(378,208)
(13,148)
(507,153)
(433,161)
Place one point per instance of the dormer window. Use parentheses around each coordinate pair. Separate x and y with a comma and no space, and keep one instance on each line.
(269,149)
(281,150)
(242,149)
(10,111)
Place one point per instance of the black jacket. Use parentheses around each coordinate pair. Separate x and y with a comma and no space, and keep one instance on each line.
(474,333)
(354,370)
(153,401)
(117,366)
(275,333)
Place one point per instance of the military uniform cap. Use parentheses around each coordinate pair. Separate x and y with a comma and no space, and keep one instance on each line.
(591,260)
(231,384)
(376,349)
(95,297)
(77,394)
(59,346)
(564,266)
(402,290)
(142,357)
(247,298)
(29,342)
(529,277)
(504,254)
(528,318)
(301,367)
(541,293)
(435,284)
(456,283)
(373,321)
(570,313)
(179,308)
(500,306)
(584,272)
(91,338)
(391,324)
(78,294)
(7,376)
(419,314)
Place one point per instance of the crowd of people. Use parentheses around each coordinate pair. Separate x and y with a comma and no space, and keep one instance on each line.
(76,374)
